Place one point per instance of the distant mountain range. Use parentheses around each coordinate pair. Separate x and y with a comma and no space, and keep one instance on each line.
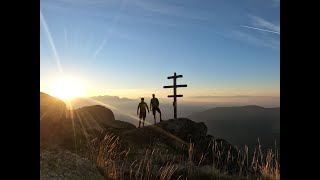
(242,125)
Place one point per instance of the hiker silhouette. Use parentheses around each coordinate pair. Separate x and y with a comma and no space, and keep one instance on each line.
(154,106)
(143,113)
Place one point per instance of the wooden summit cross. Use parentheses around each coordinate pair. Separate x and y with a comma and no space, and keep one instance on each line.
(175,86)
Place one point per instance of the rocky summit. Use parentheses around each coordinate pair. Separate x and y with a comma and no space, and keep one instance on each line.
(89,140)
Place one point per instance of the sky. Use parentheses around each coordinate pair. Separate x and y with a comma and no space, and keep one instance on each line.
(128,48)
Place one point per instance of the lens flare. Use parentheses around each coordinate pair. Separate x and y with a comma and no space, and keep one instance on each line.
(67,88)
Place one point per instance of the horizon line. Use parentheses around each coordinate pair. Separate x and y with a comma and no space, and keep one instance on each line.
(200,97)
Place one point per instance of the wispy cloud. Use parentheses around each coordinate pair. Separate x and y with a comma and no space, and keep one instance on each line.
(264,24)
(261,29)
(261,39)
(111,30)
(170,10)
(249,38)
(99,48)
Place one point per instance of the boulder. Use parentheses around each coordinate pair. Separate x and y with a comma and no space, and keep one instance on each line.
(51,108)
(62,164)
(96,116)
(52,115)
(71,129)
(178,136)
(173,132)
(185,129)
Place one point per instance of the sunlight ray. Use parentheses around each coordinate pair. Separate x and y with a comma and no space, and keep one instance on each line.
(95,124)
(110,31)
(51,42)
(73,126)
(43,115)
(82,127)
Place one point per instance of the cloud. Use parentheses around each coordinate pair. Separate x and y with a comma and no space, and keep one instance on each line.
(249,38)
(262,39)
(99,48)
(261,29)
(171,10)
(262,23)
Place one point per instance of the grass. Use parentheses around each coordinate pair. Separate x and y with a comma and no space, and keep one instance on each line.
(116,162)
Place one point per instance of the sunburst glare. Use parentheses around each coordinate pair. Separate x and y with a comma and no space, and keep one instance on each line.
(67,88)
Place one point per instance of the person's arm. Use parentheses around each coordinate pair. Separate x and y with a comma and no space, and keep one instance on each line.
(150,104)
(147,107)
(138,109)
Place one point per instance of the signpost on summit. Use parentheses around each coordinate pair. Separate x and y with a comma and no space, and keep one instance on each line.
(175,86)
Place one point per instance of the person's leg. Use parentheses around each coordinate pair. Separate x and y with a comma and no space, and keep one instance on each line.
(139,122)
(144,118)
(140,117)
(159,113)
(154,115)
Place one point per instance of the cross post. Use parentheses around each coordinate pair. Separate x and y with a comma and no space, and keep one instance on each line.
(175,86)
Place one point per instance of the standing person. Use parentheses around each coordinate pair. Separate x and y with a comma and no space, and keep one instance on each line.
(143,113)
(154,106)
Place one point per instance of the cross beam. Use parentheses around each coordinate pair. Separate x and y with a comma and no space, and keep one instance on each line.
(175,95)
(175,86)
(178,76)
(182,85)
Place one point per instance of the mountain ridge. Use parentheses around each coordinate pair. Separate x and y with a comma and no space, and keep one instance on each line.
(242,125)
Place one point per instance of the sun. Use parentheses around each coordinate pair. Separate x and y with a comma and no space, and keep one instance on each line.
(67,88)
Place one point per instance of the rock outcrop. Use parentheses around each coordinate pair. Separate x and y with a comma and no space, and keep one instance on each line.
(94,117)
(51,108)
(71,129)
(172,132)
(62,164)
(181,141)
(52,116)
